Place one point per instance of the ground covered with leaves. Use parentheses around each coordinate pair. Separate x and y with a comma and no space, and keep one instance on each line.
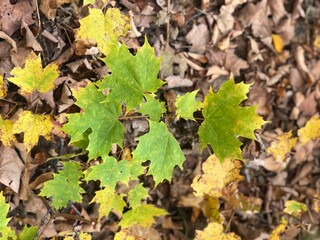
(51,64)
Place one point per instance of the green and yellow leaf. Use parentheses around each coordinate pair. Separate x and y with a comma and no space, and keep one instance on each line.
(282,146)
(216,175)
(225,120)
(99,118)
(5,231)
(33,77)
(310,131)
(132,76)
(64,186)
(162,149)
(105,29)
(110,172)
(294,208)
(186,105)
(152,107)
(109,201)
(33,126)
(142,215)
(136,195)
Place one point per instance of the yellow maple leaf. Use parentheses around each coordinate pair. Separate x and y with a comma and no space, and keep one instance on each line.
(6,134)
(104,28)
(214,231)
(275,234)
(3,88)
(277,42)
(33,126)
(33,77)
(282,146)
(310,131)
(125,234)
(216,176)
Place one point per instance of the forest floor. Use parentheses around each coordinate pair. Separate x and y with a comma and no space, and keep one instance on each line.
(273,44)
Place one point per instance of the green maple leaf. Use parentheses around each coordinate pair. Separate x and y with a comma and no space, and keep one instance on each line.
(152,107)
(186,105)
(225,120)
(135,195)
(28,233)
(101,118)
(142,215)
(109,200)
(33,77)
(64,186)
(132,76)
(110,171)
(162,149)
(5,231)
(102,26)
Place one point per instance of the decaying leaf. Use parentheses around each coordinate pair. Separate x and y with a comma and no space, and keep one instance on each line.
(33,126)
(11,168)
(294,208)
(214,231)
(216,175)
(282,146)
(310,131)
(33,77)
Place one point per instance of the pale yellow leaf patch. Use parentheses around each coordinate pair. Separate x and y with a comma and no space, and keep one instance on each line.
(310,131)
(275,234)
(125,234)
(33,77)
(216,176)
(33,126)
(214,231)
(294,208)
(282,146)
(3,87)
(6,135)
(277,42)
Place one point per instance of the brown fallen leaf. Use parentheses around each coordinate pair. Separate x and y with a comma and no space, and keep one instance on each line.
(277,10)
(177,81)
(11,167)
(11,15)
(49,7)
(309,105)
(198,37)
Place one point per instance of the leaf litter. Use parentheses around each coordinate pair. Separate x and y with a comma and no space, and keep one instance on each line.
(271,43)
